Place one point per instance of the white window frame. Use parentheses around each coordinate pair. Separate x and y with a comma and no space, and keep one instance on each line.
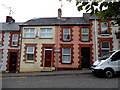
(66,34)
(1,39)
(27,52)
(46,33)
(16,40)
(66,55)
(29,32)
(104,30)
(102,49)
(85,34)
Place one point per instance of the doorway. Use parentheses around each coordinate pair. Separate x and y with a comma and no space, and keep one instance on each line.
(48,57)
(12,61)
(85,53)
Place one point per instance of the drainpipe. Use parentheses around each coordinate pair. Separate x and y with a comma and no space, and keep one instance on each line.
(96,40)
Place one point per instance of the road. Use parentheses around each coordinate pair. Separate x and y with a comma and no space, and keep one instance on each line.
(60,81)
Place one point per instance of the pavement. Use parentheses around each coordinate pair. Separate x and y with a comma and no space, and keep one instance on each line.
(52,73)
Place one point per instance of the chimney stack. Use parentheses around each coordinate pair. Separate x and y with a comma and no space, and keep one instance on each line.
(59,13)
(9,19)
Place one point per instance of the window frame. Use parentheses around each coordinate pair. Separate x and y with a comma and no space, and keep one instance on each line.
(102,29)
(70,61)
(66,34)
(29,32)
(85,34)
(46,32)
(14,40)
(30,53)
(103,49)
(1,39)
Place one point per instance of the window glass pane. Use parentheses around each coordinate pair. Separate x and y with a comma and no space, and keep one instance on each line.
(85,38)
(104,27)
(30,56)
(49,30)
(26,30)
(0,37)
(32,35)
(66,30)
(26,35)
(66,37)
(66,50)
(105,44)
(30,49)
(32,30)
(15,37)
(104,52)
(66,59)
(14,43)
(85,30)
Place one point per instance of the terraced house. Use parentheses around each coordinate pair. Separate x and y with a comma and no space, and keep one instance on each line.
(9,45)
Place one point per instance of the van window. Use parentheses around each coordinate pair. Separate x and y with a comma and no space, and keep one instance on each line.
(116,56)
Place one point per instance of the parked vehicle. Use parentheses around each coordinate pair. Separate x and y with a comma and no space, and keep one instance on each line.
(108,65)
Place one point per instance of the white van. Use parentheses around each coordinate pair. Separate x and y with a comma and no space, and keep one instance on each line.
(108,65)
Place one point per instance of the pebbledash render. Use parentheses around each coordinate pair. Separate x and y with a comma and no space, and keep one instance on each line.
(65,43)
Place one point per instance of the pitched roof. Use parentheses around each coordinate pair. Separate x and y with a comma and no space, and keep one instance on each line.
(9,26)
(57,21)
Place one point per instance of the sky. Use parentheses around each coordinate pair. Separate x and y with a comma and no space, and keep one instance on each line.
(29,9)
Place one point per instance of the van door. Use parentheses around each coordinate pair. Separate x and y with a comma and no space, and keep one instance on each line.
(115,61)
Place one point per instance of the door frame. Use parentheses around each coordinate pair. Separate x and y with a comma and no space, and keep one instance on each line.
(8,61)
(51,56)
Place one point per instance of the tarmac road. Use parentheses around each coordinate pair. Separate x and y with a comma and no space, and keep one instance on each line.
(60,81)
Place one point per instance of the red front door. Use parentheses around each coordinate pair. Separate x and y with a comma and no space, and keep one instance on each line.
(48,57)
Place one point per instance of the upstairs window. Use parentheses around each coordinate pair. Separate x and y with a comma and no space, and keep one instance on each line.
(104,27)
(30,53)
(0,39)
(66,34)
(46,33)
(15,40)
(85,34)
(29,32)
(105,47)
(66,55)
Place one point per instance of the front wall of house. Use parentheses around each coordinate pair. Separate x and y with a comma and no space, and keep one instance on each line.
(37,64)
(76,44)
(7,48)
(98,38)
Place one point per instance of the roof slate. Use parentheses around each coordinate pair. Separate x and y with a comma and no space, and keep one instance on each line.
(58,21)
(10,26)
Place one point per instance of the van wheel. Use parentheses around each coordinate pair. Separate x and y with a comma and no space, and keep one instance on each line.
(109,73)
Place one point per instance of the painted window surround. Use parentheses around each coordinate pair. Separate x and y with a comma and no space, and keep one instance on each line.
(35,52)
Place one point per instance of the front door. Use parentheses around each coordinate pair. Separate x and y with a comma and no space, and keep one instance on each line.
(85,51)
(13,61)
(48,57)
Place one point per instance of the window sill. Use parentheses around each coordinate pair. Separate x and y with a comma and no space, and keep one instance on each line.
(45,38)
(29,61)
(66,63)
(105,34)
(28,38)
